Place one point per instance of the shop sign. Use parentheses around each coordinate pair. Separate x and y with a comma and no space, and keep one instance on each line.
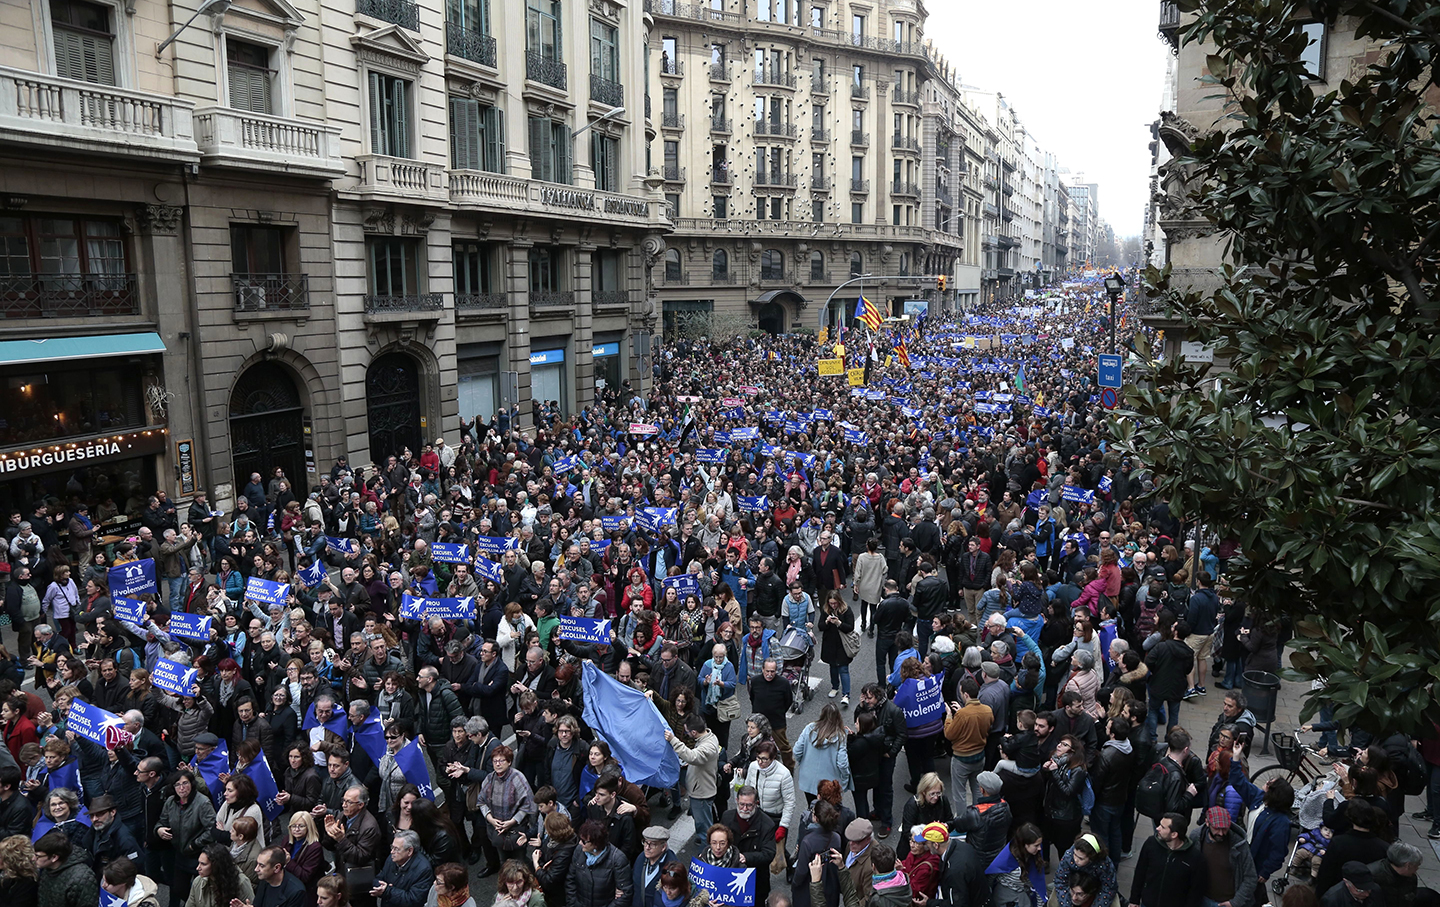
(185,459)
(61,456)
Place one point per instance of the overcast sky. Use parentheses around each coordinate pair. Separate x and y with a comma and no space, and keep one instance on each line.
(1085,78)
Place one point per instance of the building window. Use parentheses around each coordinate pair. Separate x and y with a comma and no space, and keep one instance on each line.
(817,71)
(473,274)
(56,248)
(904,264)
(672,203)
(777,208)
(545,269)
(857,120)
(817,17)
(857,212)
(817,267)
(720,265)
(394,266)
(1314,54)
(857,264)
(604,50)
(542,29)
(857,26)
(722,207)
(389,115)
(472,16)
(247,72)
(257,249)
(858,74)
(772,265)
(670,104)
(899,32)
(857,168)
(477,136)
(673,267)
(817,210)
(84,41)
(607,271)
(668,55)
(549,150)
(895,215)
(605,161)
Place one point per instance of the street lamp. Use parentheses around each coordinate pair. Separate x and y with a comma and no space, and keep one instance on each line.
(1114,287)
(607,115)
(213,7)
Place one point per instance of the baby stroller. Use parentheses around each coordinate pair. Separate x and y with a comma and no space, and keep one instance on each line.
(795,652)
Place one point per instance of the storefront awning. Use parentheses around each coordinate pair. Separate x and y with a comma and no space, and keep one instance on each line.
(92,346)
(772,295)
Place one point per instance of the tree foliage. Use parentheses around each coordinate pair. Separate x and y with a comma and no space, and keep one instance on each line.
(1316,447)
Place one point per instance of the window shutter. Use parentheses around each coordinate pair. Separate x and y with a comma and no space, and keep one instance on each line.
(494,126)
(99,60)
(377,115)
(399,89)
(540,148)
(69,63)
(560,135)
(464,138)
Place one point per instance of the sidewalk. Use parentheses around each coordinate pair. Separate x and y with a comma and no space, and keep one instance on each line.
(1197,715)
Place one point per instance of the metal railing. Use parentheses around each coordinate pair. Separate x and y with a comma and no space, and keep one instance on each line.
(719,72)
(820,183)
(772,275)
(901,187)
(271,292)
(1170,23)
(722,125)
(546,71)
(777,130)
(901,96)
(781,79)
(689,11)
(675,280)
(424,302)
(725,278)
(672,121)
(859,138)
(1007,188)
(671,67)
(779,180)
(942,194)
(859,185)
(552,298)
(476,301)
(609,297)
(859,91)
(819,86)
(470,45)
(397,12)
(673,173)
(606,91)
(819,135)
(721,176)
(68,295)
(904,143)
(990,210)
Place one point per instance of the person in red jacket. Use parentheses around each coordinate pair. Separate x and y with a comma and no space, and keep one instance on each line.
(19,730)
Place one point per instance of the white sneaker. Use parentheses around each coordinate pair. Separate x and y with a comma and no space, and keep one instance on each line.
(834,693)
(845,701)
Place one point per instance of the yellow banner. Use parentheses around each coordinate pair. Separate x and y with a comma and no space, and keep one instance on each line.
(856,376)
(829,367)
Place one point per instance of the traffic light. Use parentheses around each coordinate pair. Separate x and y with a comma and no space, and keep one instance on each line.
(940,282)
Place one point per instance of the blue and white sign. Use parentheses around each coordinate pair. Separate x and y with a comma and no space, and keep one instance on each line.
(134,578)
(1110,367)
(450,553)
(684,584)
(653,518)
(312,575)
(585,629)
(855,436)
(726,887)
(488,569)
(1076,493)
(191,626)
(130,610)
(711,455)
(267,592)
(412,608)
(748,433)
(925,704)
(344,546)
(173,677)
(546,357)
(612,521)
(753,503)
(492,546)
(607,349)
(566,464)
(92,723)
(267,791)
(1105,484)
(412,765)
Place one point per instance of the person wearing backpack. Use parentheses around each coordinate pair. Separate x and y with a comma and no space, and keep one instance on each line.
(1174,782)
(22,603)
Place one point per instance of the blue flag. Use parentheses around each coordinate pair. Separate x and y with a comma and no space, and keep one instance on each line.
(68,775)
(494,546)
(190,626)
(1034,499)
(266,592)
(585,629)
(345,546)
(412,608)
(211,768)
(370,735)
(726,887)
(94,723)
(924,703)
(651,519)
(338,724)
(748,433)
(129,609)
(134,578)
(265,787)
(1075,493)
(488,569)
(173,677)
(612,522)
(632,726)
(565,465)
(1105,484)
(855,436)
(43,825)
(711,455)
(312,575)
(412,765)
(450,553)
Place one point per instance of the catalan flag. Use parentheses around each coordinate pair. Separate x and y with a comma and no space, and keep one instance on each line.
(902,355)
(867,314)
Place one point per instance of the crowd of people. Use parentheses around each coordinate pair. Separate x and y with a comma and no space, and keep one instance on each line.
(1039,620)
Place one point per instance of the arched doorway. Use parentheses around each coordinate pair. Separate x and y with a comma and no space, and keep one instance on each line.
(267,426)
(392,405)
(772,318)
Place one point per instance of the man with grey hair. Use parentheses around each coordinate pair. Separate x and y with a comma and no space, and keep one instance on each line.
(406,878)
(1396,874)
(995,693)
(354,834)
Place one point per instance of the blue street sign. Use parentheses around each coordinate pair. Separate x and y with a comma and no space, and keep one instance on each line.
(1110,370)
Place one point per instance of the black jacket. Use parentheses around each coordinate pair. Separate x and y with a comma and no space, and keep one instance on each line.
(771,698)
(963,882)
(765,596)
(890,721)
(1168,878)
(757,843)
(987,826)
(596,885)
(932,597)
(1113,779)
(977,577)
(926,536)
(891,616)
(17,816)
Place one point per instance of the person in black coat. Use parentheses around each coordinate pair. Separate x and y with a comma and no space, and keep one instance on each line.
(605,882)
(754,837)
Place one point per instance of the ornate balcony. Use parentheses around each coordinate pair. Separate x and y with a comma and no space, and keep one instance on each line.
(776,130)
(397,12)
(859,138)
(859,185)
(990,210)
(255,293)
(470,45)
(255,141)
(391,305)
(721,125)
(609,298)
(673,173)
(606,91)
(860,91)
(819,184)
(773,275)
(721,176)
(68,295)
(819,135)
(37,109)
(552,299)
(689,11)
(481,302)
(672,121)
(401,179)
(546,71)
(901,187)
(723,278)
(670,67)
(776,180)
(777,79)
(719,72)
(905,143)
(819,86)
(1170,24)
(908,98)
(675,280)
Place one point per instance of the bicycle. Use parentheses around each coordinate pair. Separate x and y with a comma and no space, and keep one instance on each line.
(1299,763)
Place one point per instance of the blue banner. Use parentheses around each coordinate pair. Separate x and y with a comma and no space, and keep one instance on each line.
(267,592)
(43,825)
(488,569)
(210,770)
(412,765)
(412,608)
(684,584)
(94,723)
(345,546)
(711,455)
(1075,493)
(753,503)
(770,450)
(265,787)
(1041,412)
(748,433)
(191,626)
(370,735)
(856,436)
(566,464)
(129,609)
(312,575)
(726,887)
(493,546)
(807,458)
(1105,484)
(611,522)
(450,553)
(822,415)
(585,629)
(134,578)
(651,519)
(794,427)
(338,724)
(173,677)
(1034,499)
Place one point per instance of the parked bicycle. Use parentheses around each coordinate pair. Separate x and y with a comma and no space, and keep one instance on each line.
(1299,763)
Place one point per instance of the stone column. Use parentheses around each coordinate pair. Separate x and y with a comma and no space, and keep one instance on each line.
(165,286)
(583,343)
(516,266)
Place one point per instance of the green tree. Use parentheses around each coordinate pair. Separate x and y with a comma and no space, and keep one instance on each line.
(1317,448)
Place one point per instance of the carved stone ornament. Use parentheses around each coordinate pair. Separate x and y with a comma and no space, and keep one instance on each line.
(379,220)
(417,223)
(654,248)
(159,219)
(606,9)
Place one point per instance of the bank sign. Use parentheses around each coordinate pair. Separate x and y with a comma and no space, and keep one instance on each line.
(580,200)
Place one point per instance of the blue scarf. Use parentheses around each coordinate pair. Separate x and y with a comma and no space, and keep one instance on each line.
(85,520)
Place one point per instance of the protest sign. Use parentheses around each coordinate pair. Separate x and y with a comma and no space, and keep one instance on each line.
(134,578)
(585,629)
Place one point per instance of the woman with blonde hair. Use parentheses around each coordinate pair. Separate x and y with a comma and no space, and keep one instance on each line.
(307,854)
(18,884)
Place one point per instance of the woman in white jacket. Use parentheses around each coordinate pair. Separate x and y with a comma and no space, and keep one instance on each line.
(510,635)
(776,786)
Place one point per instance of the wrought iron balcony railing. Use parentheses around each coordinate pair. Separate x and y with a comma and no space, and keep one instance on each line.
(68,295)
(271,292)
(546,71)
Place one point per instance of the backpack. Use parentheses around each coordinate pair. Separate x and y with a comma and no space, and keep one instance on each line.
(1152,797)
(1145,623)
(1410,768)
(30,607)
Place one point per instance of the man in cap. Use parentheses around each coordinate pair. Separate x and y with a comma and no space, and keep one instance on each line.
(655,853)
(1230,867)
(859,835)
(986,822)
(922,865)
(1356,888)
(112,839)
